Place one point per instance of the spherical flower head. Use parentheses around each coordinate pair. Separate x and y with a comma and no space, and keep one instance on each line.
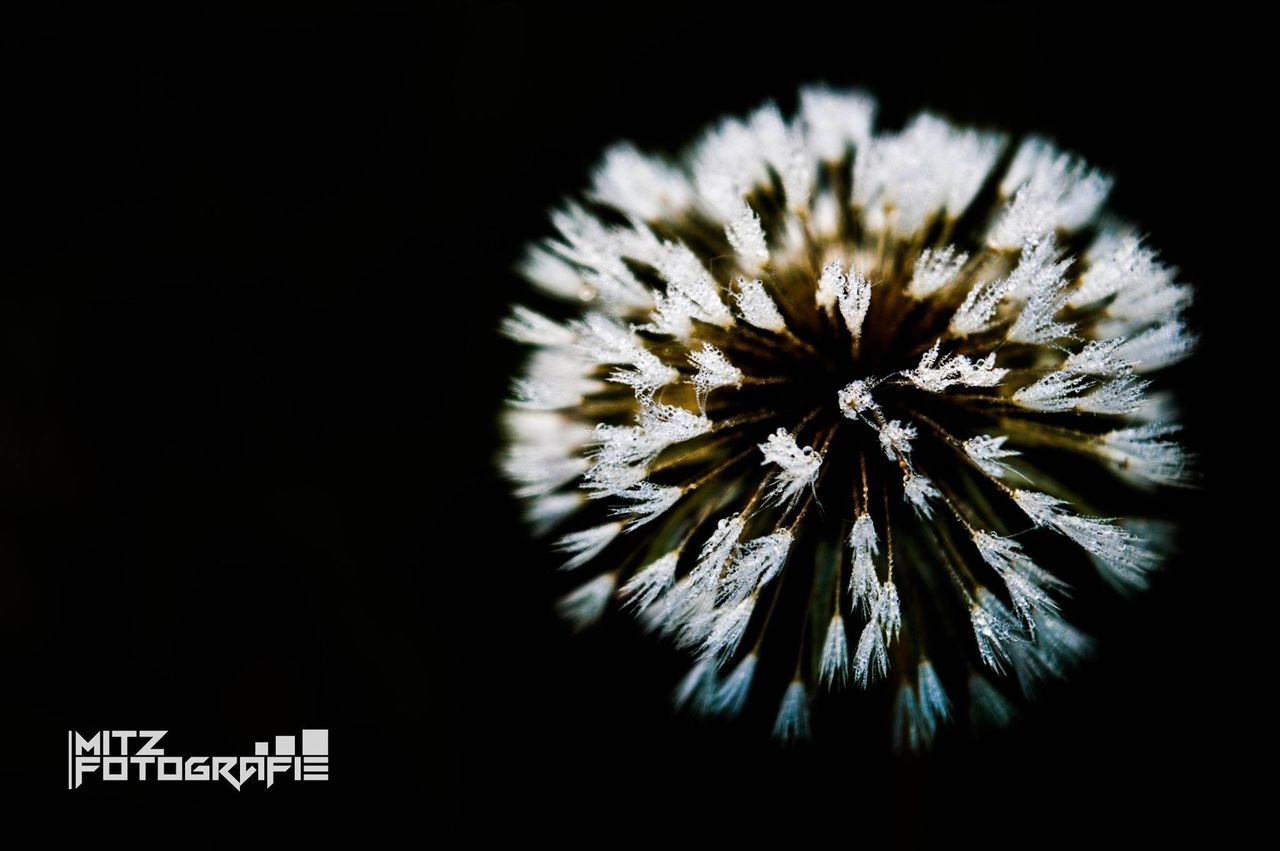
(830,408)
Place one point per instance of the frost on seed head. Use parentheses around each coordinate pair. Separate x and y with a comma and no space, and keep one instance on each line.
(920,493)
(855,400)
(642,186)
(648,502)
(1145,453)
(833,669)
(936,375)
(695,311)
(1050,190)
(870,659)
(934,270)
(757,307)
(747,238)
(988,453)
(797,468)
(835,121)
(648,584)
(714,371)
(755,564)
(895,439)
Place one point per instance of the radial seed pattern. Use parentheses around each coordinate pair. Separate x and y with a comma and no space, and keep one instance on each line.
(794,399)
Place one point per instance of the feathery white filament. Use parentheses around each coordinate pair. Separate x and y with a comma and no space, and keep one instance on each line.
(757,307)
(935,376)
(895,439)
(1057,391)
(714,371)
(934,270)
(651,582)
(864,585)
(833,667)
(854,298)
(1098,357)
(587,544)
(747,238)
(935,709)
(993,628)
(731,696)
(835,121)
(584,606)
(755,563)
(870,660)
(855,400)
(648,502)
(988,453)
(1142,451)
(798,468)
(793,717)
(642,186)
(920,493)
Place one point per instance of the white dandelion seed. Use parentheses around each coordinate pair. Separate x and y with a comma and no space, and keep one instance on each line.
(698,688)
(731,696)
(757,307)
(993,629)
(587,544)
(798,468)
(586,604)
(1145,453)
(648,500)
(651,582)
(920,493)
(1028,585)
(935,270)
(907,727)
(888,611)
(988,453)
(895,439)
(719,411)
(793,716)
(532,328)
(1099,357)
(714,371)
(989,706)
(835,121)
(833,668)
(870,659)
(854,300)
(864,585)
(747,238)
(1122,395)
(645,187)
(755,564)
(1057,391)
(552,509)
(1159,346)
(935,708)
(935,376)
(1122,556)
(855,400)
(730,624)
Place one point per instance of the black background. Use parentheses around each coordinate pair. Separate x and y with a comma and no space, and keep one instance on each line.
(252,270)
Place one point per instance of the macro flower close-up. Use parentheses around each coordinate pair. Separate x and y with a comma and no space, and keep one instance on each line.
(574,423)
(833,406)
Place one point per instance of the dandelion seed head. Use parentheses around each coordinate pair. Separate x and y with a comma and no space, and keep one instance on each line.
(797,391)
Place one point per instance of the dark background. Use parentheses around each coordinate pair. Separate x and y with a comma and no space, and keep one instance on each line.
(251,273)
